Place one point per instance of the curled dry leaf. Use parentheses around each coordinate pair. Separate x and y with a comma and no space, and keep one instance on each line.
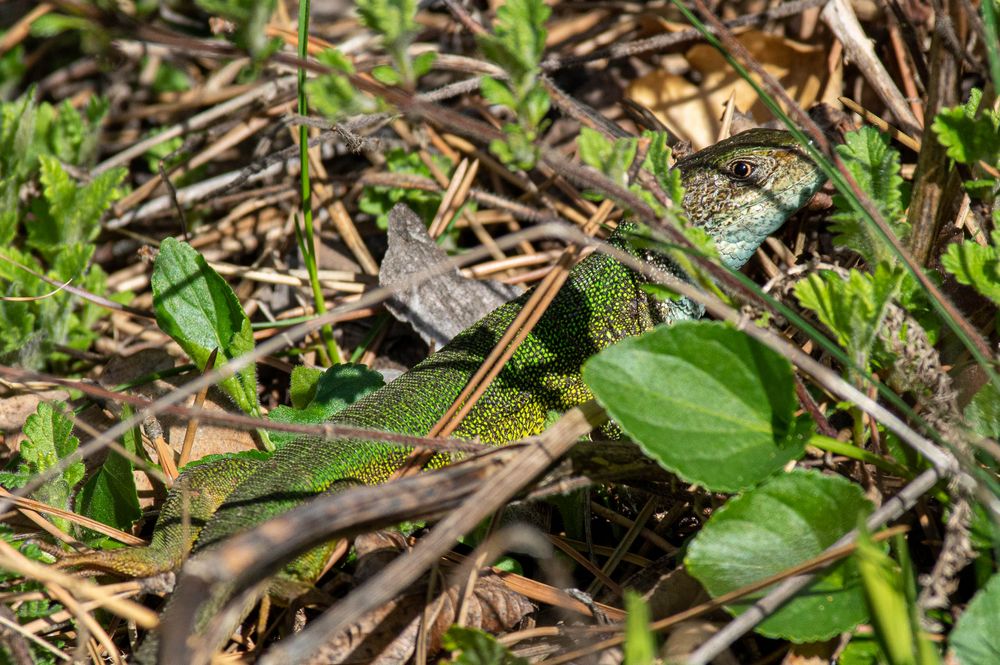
(693,111)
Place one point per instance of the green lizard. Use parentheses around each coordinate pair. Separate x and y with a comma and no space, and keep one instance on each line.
(739,191)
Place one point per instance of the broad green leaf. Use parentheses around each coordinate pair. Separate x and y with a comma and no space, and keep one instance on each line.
(875,165)
(640,645)
(49,440)
(475,647)
(975,639)
(788,520)
(338,387)
(706,401)
(199,310)
(109,496)
(975,265)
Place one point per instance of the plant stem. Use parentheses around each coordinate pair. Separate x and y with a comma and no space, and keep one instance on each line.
(309,246)
(853,452)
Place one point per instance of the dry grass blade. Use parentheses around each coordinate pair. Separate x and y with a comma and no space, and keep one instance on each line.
(14,561)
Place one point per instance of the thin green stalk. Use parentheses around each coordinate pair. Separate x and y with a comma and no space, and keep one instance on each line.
(309,247)
(845,449)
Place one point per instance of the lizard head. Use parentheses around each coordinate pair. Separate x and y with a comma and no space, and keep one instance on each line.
(743,188)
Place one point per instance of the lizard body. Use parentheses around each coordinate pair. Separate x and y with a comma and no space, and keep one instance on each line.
(739,191)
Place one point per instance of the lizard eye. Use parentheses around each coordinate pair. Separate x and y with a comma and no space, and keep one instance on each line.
(741,169)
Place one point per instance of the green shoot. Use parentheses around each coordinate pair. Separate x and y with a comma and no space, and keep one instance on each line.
(395,21)
(308,243)
(517,47)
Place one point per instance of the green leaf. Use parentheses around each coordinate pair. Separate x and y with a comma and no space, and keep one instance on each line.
(69,213)
(423,63)
(862,650)
(378,201)
(338,387)
(975,265)
(332,94)
(786,521)
(110,496)
(968,138)
(49,440)
(613,159)
(302,387)
(386,74)
(658,163)
(706,401)
(886,597)
(640,644)
(983,412)
(853,308)
(495,92)
(875,165)
(475,647)
(975,639)
(199,310)
(519,38)
(395,20)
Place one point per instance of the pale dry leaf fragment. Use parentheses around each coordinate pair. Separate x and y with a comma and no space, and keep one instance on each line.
(694,111)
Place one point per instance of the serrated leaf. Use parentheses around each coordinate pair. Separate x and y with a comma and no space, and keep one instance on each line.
(393,19)
(975,265)
(658,163)
(852,308)
(200,312)
(706,401)
(338,387)
(786,521)
(110,496)
(969,138)
(70,213)
(975,639)
(875,166)
(49,440)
